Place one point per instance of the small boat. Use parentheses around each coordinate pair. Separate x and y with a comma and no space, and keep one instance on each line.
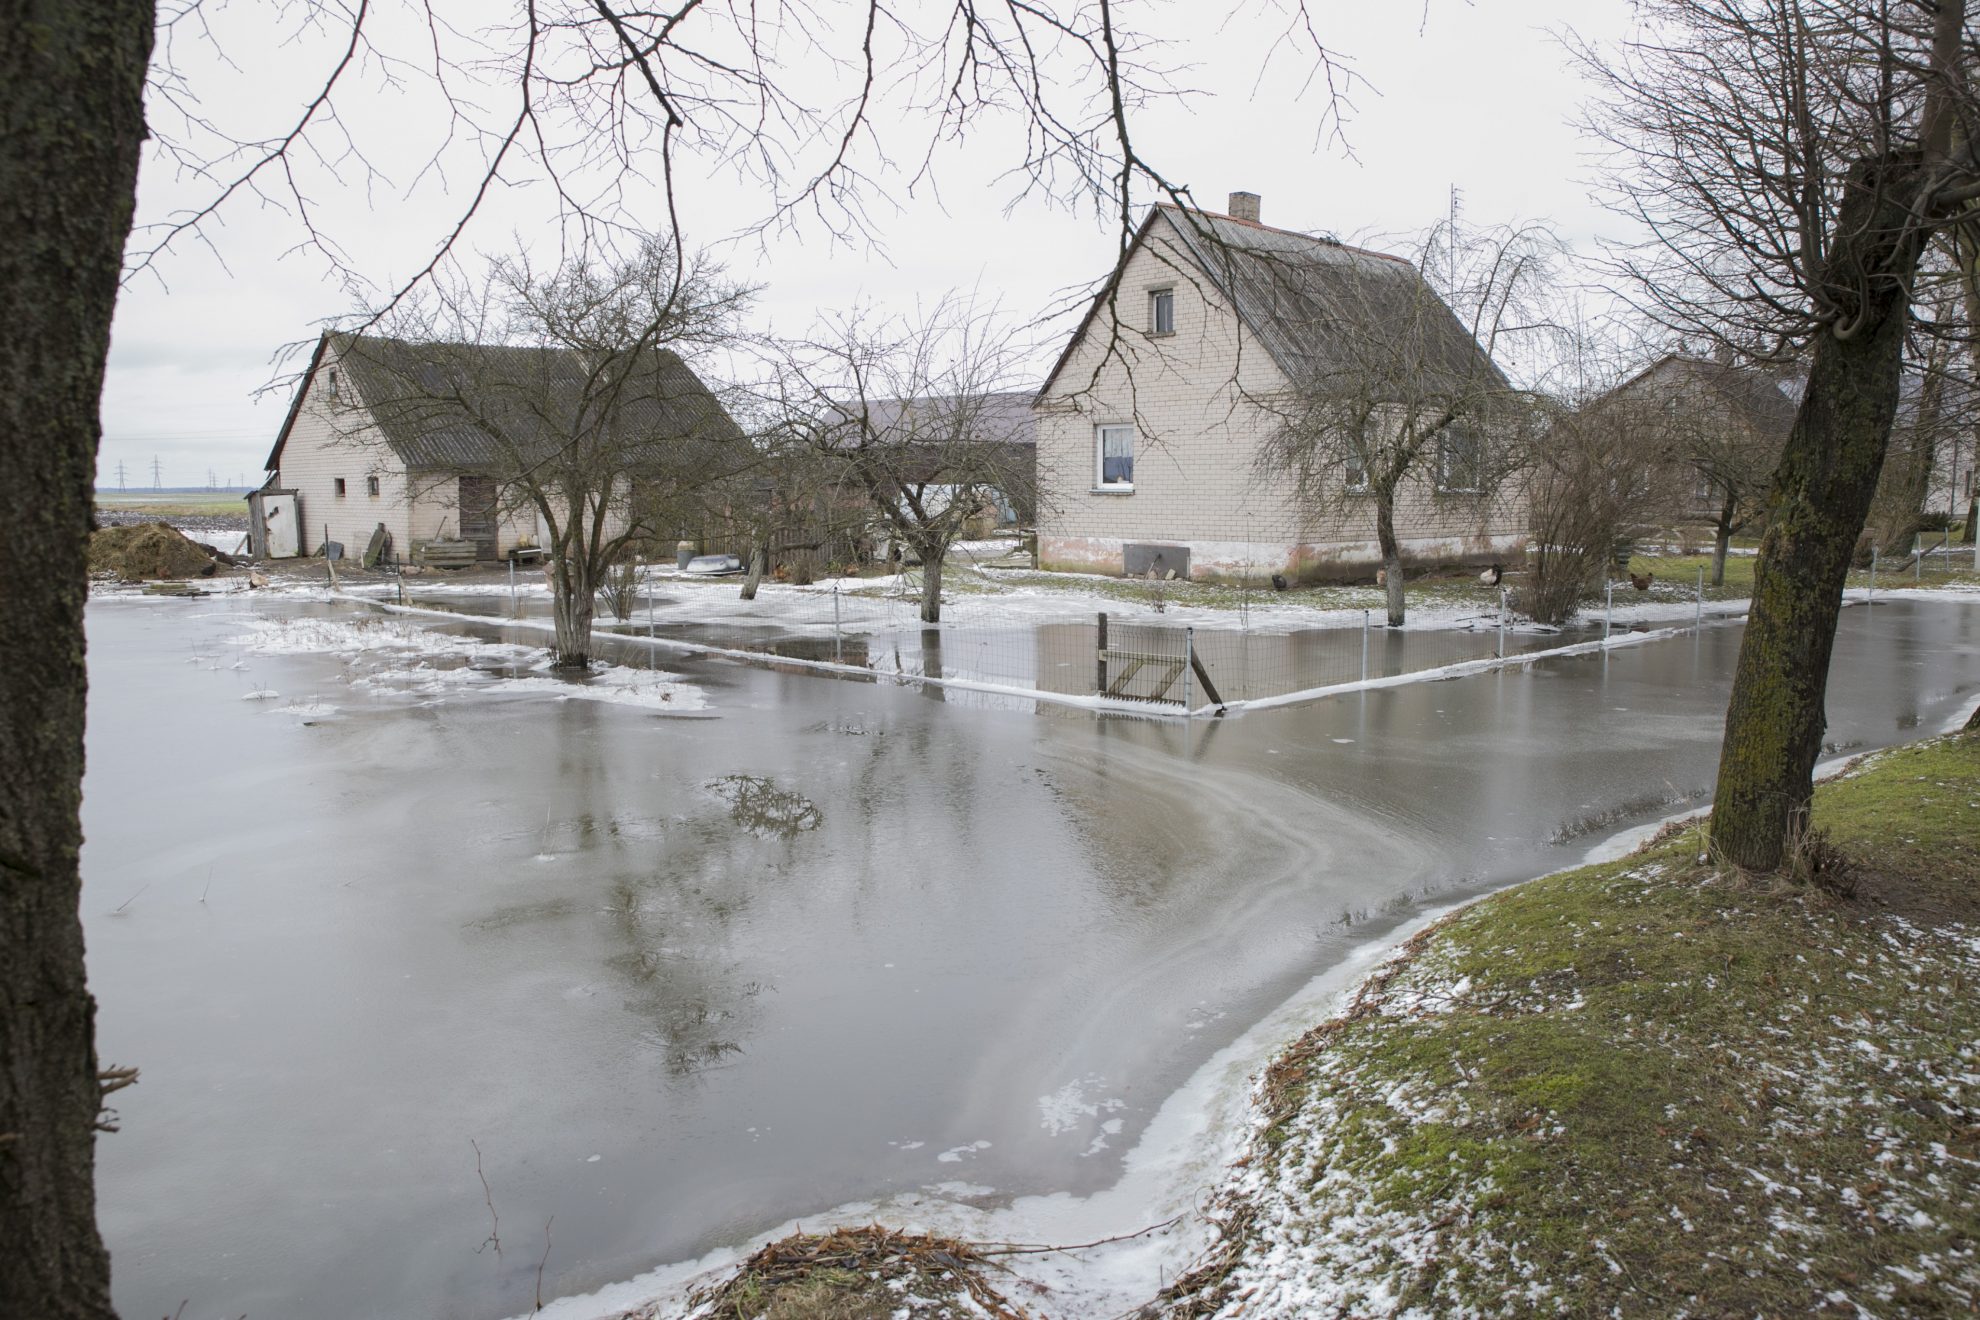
(714,565)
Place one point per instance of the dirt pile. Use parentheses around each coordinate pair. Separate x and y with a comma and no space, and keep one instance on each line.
(145,551)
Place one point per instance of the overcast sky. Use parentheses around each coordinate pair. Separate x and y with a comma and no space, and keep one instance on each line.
(1479,98)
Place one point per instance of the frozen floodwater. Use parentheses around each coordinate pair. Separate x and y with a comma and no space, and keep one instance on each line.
(414,934)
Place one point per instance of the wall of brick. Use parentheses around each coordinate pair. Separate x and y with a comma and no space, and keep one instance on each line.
(1196,399)
(331,439)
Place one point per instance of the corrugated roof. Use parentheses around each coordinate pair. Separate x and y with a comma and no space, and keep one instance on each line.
(479,406)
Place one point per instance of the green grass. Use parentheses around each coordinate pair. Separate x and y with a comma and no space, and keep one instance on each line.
(1655,1087)
(174,504)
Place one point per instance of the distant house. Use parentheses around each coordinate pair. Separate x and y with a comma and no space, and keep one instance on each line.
(1719,424)
(360,449)
(1150,423)
(989,443)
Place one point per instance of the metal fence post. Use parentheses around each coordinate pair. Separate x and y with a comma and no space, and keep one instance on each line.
(1100,660)
(1502,623)
(512,589)
(1189,662)
(1364,646)
(1873,575)
(837,636)
(1608,612)
(1700,622)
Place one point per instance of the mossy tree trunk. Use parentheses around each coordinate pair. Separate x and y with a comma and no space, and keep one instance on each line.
(71,123)
(1816,510)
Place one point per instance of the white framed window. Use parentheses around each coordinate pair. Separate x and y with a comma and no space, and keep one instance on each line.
(1161,311)
(1460,462)
(1114,457)
(371,485)
(339,487)
(1354,473)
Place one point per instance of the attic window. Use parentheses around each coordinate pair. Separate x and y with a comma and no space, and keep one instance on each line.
(332,379)
(371,485)
(339,486)
(1162,312)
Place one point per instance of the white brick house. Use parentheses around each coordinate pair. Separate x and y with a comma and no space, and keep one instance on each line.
(357,457)
(1150,423)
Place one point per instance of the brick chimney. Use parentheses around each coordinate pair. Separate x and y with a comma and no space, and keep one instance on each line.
(1244,206)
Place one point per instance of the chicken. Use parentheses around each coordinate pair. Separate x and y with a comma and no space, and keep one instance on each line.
(1491,576)
(1279,582)
(1643,582)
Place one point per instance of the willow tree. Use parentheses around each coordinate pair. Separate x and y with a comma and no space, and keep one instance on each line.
(1791,159)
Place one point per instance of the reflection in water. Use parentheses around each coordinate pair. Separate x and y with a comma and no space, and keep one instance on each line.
(758,805)
(557,929)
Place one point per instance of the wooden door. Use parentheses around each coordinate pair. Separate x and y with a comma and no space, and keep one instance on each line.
(476,502)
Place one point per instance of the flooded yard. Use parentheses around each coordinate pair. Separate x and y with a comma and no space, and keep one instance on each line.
(446,983)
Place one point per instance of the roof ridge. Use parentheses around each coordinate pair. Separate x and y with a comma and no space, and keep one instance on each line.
(1290,233)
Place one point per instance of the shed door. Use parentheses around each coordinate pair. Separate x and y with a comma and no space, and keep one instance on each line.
(477,506)
(283,521)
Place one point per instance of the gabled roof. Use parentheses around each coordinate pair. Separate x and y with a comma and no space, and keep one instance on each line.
(1764,400)
(1000,418)
(532,394)
(1312,303)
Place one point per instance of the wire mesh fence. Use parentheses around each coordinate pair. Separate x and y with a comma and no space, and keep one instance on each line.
(1032,643)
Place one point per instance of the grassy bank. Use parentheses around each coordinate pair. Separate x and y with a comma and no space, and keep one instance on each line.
(1648,1088)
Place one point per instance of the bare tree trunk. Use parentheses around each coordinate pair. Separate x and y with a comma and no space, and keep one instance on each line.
(1728,511)
(754,578)
(572,605)
(1816,511)
(1897,510)
(71,121)
(931,586)
(931,664)
(1392,567)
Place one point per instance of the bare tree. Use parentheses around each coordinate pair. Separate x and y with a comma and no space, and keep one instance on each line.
(1935,408)
(589,99)
(569,390)
(921,420)
(1791,159)
(1602,468)
(1408,398)
(1716,427)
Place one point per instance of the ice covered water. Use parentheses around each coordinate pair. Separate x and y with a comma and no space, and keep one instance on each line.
(663,974)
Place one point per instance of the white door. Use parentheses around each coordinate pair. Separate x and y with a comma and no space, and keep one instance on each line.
(281,517)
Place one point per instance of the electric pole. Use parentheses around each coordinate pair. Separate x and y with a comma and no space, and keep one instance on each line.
(157,479)
(120,474)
